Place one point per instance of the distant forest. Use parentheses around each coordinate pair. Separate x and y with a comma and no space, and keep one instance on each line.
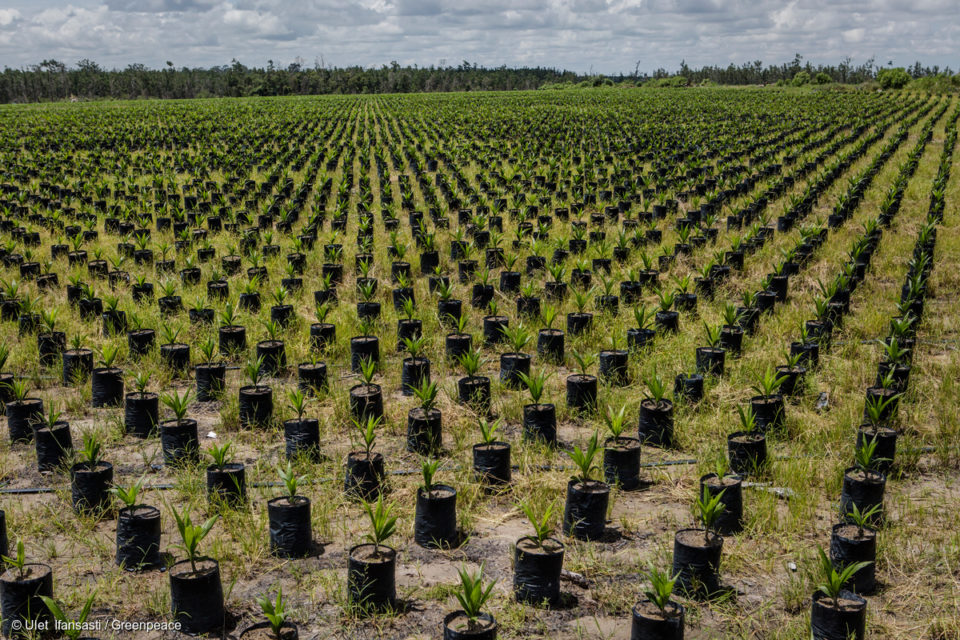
(53,80)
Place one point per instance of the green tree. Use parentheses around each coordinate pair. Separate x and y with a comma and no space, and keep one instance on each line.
(801,78)
(895,78)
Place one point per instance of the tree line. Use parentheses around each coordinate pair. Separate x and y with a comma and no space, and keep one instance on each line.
(755,72)
(53,80)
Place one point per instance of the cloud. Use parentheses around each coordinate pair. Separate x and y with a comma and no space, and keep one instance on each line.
(603,35)
(8,17)
(255,23)
(161,6)
(854,35)
(419,7)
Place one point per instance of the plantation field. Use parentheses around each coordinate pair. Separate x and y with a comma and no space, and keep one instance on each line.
(599,243)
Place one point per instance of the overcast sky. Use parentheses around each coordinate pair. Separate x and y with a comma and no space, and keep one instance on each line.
(606,36)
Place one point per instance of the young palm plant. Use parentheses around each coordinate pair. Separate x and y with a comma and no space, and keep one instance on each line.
(621,454)
(585,514)
(225,479)
(768,406)
(472,595)
(834,580)
(275,611)
(435,524)
(659,615)
(372,566)
(72,628)
(473,389)
(364,468)
(191,535)
(196,592)
(696,552)
(538,558)
(424,432)
(710,359)
(91,476)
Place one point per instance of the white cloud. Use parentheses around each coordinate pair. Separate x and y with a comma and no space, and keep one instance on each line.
(161,6)
(254,22)
(854,35)
(605,35)
(8,16)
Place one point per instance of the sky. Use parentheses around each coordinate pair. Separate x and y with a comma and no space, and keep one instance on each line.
(599,36)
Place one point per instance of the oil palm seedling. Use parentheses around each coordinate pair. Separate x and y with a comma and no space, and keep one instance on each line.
(435,518)
(515,363)
(491,456)
(621,453)
(210,373)
(667,319)
(255,399)
(291,535)
(178,437)
(53,441)
(459,341)
(424,426)
(585,513)
(711,358)
(875,427)
(550,341)
(371,574)
(580,321)
(106,380)
(138,529)
(855,540)
(174,354)
(471,621)
(836,612)
(91,477)
(196,591)
(141,415)
(21,593)
(747,447)
(277,622)
(863,483)
(22,411)
(366,346)
(226,480)
(473,389)
(72,628)
(365,468)
(768,405)
(792,374)
(416,367)
(658,616)
(656,413)
(301,434)
(366,398)
(582,386)
(538,558)
(696,552)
